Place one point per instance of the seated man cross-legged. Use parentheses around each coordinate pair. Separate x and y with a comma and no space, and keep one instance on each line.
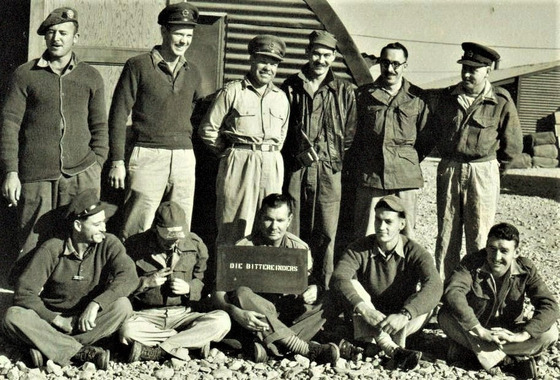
(280,323)
(391,283)
(484,308)
(170,262)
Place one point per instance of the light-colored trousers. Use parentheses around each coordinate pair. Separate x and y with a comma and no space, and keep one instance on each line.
(467,197)
(366,200)
(489,354)
(365,332)
(156,175)
(175,329)
(245,178)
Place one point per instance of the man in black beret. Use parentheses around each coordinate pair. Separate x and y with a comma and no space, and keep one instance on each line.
(478,135)
(159,88)
(53,136)
(321,129)
(246,126)
(74,291)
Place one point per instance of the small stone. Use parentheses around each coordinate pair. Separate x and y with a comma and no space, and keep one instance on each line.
(13,374)
(21,366)
(260,367)
(177,363)
(5,362)
(302,360)
(222,373)
(272,375)
(70,371)
(34,374)
(236,365)
(54,368)
(86,374)
(164,373)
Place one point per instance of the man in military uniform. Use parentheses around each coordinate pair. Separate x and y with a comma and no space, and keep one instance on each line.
(279,322)
(53,133)
(159,88)
(390,141)
(321,129)
(246,126)
(478,135)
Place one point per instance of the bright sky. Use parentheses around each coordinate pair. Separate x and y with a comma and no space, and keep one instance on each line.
(522,32)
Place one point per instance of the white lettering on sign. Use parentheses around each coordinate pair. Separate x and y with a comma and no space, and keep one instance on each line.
(267,267)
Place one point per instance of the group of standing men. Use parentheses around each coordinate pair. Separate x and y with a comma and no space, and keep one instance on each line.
(298,139)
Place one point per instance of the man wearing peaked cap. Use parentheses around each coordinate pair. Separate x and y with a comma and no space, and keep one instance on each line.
(170,262)
(53,136)
(246,127)
(479,134)
(378,277)
(74,291)
(321,129)
(159,88)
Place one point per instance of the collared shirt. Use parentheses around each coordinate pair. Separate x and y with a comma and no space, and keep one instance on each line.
(240,114)
(158,60)
(43,63)
(466,100)
(398,250)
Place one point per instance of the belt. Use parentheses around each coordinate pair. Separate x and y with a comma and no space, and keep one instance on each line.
(261,147)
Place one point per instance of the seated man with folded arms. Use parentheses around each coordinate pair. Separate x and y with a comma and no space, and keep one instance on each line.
(484,307)
(170,262)
(74,291)
(281,323)
(392,284)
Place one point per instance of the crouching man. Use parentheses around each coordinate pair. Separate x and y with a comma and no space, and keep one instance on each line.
(73,292)
(170,262)
(391,283)
(280,323)
(483,307)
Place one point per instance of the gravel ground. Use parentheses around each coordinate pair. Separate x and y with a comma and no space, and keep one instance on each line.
(530,200)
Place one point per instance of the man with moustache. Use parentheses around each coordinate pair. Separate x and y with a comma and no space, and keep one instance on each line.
(391,284)
(74,291)
(53,136)
(484,308)
(390,141)
(478,136)
(246,126)
(280,323)
(159,88)
(321,129)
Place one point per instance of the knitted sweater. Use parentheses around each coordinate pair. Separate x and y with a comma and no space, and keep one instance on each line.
(53,124)
(161,105)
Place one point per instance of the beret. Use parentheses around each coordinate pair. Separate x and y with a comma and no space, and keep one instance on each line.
(58,16)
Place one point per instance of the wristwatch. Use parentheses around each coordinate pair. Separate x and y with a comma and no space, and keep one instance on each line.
(406,313)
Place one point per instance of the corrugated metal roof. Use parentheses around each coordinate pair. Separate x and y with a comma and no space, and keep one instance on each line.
(538,97)
(291,20)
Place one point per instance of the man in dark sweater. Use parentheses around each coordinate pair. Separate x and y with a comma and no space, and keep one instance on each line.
(159,88)
(73,292)
(391,283)
(53,136)
(170,262)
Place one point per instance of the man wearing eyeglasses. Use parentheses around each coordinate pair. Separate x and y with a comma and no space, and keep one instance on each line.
(170,262)
(389,142)
(321,129)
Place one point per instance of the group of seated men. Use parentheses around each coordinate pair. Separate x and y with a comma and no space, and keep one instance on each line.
(86,285)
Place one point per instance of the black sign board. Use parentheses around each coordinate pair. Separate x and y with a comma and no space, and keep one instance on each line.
(263,269)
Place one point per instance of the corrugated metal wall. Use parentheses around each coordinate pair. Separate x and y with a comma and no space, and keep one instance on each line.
(538,97)
(291,20)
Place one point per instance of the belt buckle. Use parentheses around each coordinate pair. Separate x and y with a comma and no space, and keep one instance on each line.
(266,147)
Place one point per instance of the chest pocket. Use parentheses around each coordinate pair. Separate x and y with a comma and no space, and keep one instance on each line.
(480,135)
(276,120)
(246,120)
(406,117)
(185,266)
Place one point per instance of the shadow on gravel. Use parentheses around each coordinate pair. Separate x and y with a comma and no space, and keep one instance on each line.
(532,186)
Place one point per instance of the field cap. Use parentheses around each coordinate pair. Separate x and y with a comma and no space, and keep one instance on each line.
(392,202)
(170,221)
(58,16)
(268,45)
(322,37)
(179,14)
(477,55)
(87,203)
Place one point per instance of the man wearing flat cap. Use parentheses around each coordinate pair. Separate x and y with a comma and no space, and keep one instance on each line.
(478,135)
(246,126)
(53,132)
(170,262)
(321,129)
(74,291)
(390,141)
(159,89)
(391,284)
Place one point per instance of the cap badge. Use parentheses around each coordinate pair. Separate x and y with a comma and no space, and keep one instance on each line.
(185,13)
(68,14)
(469,54)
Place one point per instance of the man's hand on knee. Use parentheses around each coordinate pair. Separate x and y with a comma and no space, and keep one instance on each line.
(393,323)
(506,336)
(86,322)
(372,316)
(250,320)
(64,324)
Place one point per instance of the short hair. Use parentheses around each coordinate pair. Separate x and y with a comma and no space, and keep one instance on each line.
(276,200)
(504,231)
(397,46)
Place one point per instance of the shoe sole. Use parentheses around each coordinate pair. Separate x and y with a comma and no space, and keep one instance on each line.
(36,357)
(259,353)
(104,363)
